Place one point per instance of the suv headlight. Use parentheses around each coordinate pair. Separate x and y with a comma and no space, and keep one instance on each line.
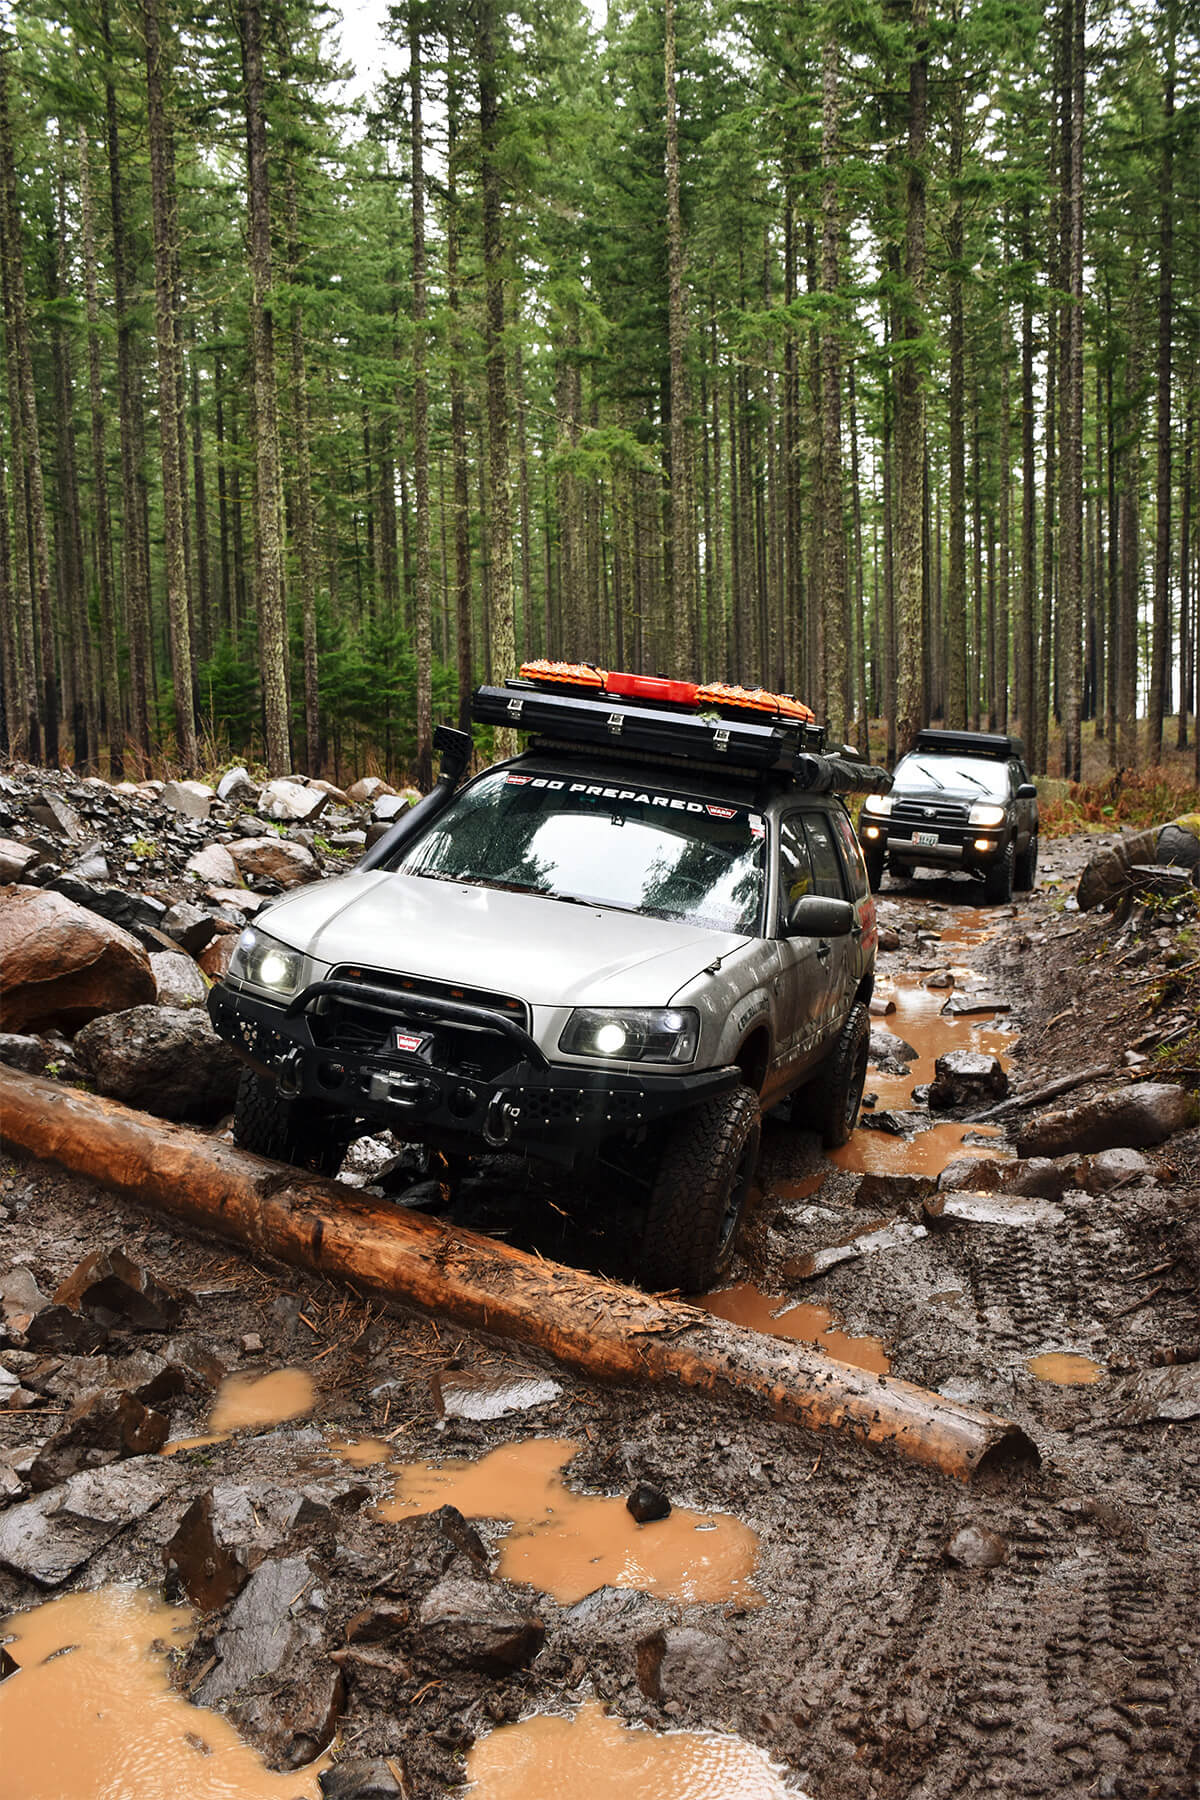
(267,964)
(981,814)
(879,804)
(666,1034)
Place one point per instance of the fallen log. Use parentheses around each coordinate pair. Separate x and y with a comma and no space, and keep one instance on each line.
(607,1332)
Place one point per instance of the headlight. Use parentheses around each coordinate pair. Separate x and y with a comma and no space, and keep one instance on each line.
(985,815)
(264,963)
(879,804)
(667,1034)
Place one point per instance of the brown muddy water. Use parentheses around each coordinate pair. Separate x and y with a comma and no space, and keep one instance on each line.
(743,1304)
(245,1400)
(596,1758)
(569,1544)
(90,1713)
(1065,1368)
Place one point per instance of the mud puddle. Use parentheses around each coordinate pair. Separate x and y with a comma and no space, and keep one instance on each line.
(253,1400)
(570,1544)
(1065,1368)
(90,1713)
(744,1304)
(594,1757)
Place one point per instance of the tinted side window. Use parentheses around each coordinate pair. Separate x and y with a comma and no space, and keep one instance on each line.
(795,865)
(852,856)
(826,863)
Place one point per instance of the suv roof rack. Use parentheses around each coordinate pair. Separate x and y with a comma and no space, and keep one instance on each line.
(790,745)
(971,743)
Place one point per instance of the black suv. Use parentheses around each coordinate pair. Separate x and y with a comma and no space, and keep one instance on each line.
(959,800)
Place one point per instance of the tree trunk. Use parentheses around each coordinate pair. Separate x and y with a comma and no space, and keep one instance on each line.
(420,414)
(458,425)
(956,599)
(1071,589)
(682,598)
(272,614)
(178,623)
(502,641)
(833,546)
(1161,641)
(910,406)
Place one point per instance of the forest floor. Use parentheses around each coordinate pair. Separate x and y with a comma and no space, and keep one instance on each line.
(868,1654)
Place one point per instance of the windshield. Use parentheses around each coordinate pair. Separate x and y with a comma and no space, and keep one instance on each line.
(975,774)
(670,855)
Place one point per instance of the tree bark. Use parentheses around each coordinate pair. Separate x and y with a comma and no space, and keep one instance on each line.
(1161,639)
(420,415)
(502,641)
(910,405)
(833,537)
(682,595)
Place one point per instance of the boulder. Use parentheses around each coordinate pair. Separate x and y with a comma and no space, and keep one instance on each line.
(1129,1118)
(681,1663)
(389,807)
(271,1675)
(22,1052)
(966,1078)
(60,965)
(275,859)
(167,1060)
(236,784)
(332,793)
(291,802)
(1035,1177)
(180,981)
(46,1539)
(112,1289)
(214,864)
(1109,1169)
(139,914)
(191,798)
(471,1624)
(17,861)
(189,926)
(101,1428)
(217,958)
(367,789)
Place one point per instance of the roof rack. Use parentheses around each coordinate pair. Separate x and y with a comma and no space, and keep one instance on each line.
(789,745)
(970,743)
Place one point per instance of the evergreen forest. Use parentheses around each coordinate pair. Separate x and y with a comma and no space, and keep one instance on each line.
(849,348)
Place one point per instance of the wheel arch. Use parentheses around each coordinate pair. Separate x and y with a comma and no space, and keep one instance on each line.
(754,1058)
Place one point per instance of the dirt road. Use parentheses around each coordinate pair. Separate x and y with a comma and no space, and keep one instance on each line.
(898,1634)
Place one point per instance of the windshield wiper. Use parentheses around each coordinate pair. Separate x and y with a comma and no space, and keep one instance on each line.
(932,777)
(973,779)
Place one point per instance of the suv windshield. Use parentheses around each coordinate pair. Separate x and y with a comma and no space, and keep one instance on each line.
(976,774)
(673,856)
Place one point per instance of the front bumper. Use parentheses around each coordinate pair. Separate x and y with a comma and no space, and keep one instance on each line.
(954,848)
(528,1105)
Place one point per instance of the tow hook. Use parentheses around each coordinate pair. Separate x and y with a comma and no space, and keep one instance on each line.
(498,1122)
(288,1075)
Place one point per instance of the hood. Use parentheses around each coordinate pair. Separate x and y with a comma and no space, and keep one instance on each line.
(547,952)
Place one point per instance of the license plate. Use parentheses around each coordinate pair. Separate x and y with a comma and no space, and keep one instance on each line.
(925,837)
(410,1043)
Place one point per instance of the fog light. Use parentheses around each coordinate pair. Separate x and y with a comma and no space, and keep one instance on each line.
(872,831)
(983,844)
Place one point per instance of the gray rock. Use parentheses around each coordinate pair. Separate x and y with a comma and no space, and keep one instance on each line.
(472,1624)
(112,1289)
(166,1059)
(291,802)
(101,1428)
(1133,1117)
(61,1328)
(53,814)
(388,808)
(965,1078)
(192,927)
(21,1298)
(362,1778)
(975,1547)
(647,1503)
(214,864)
(17,860)
(236,784)
(1109,1169)
(275,859)
(91,866)
(888,1193)
(48,1538)
(191,798)
(138,914)
(180,982)
(1170,1393)
(680,1662)
(889,1053)
(367,789)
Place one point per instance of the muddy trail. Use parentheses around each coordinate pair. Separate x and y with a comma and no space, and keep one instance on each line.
(278,1600)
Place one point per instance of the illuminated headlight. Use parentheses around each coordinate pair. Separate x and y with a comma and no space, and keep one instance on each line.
(980,814)
(667,1034)
(264,963)
(879,804)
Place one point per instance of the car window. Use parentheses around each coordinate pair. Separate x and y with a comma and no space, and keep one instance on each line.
(925,772)
(852,855)
(826,863)
(642,850)
(795,865)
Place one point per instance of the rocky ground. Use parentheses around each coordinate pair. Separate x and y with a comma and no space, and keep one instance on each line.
(1035,1634)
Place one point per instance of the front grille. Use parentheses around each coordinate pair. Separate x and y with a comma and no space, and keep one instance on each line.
(338,1024)
(925,817)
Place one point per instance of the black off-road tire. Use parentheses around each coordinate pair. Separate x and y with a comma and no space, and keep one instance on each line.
(303,1133)
(874,859)
(1025,866)
(836,1094)
(703,1184)
(998,881)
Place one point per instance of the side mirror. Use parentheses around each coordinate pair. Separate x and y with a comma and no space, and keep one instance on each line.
(1027,791)
(813,915)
